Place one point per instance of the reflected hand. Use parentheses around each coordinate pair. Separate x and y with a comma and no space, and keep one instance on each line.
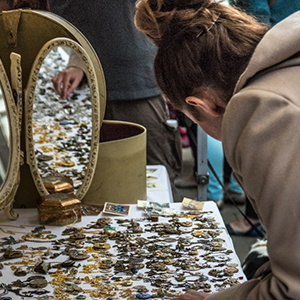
(67,81)
(192,295)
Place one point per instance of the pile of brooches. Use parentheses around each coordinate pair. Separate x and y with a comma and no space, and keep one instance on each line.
(61,128)
(151,257)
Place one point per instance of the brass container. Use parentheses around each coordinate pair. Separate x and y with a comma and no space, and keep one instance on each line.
(59,209)
(120,176)
(58,184)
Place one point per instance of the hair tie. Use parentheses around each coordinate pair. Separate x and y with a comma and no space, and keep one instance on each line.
(210,27)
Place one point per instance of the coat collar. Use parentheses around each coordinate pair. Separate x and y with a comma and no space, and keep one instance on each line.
(279,43)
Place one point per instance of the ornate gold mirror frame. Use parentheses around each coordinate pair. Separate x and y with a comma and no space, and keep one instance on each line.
(14,113)
(29,97)
(28,33)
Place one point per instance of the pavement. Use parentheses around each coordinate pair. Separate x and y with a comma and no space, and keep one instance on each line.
(229,212)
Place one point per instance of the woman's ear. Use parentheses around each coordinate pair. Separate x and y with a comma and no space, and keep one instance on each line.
(206,104)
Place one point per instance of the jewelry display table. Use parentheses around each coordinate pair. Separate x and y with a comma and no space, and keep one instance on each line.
(113,257)
(158,184)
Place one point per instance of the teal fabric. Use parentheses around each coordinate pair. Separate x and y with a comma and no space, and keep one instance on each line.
(216,157)
(261,10)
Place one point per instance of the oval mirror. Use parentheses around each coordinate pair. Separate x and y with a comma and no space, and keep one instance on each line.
(10,113)
(62,134)
(4,138)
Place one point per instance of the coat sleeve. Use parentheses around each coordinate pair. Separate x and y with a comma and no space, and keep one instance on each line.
(76,61)
(262,144)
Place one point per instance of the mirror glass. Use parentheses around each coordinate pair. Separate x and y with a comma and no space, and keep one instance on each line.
(62,129)
(4,139)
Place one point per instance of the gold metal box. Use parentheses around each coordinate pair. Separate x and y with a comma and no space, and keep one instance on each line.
(58,184)
(59,209)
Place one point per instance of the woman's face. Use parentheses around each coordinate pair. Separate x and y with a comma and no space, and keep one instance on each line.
(210,124)
(206,108)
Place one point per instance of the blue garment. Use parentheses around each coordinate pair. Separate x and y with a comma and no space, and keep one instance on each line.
(269,15)
(216,157)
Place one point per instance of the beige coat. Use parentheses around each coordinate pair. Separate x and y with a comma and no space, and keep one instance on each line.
(261,137)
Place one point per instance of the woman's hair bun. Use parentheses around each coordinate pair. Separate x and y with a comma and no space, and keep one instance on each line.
(154,17)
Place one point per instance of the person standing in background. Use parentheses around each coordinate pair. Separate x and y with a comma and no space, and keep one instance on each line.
(127,57)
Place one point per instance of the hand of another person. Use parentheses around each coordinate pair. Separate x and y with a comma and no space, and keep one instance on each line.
(67,81)
(192,295)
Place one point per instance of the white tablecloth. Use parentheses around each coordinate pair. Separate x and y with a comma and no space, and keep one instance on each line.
(28,220)
(158,184)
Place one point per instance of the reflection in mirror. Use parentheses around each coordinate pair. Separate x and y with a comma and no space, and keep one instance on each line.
(4,139)
(61,128)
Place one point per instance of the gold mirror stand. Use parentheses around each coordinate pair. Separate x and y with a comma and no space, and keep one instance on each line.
(14,108)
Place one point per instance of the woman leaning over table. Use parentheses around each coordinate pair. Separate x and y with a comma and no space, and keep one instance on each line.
(239,80)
